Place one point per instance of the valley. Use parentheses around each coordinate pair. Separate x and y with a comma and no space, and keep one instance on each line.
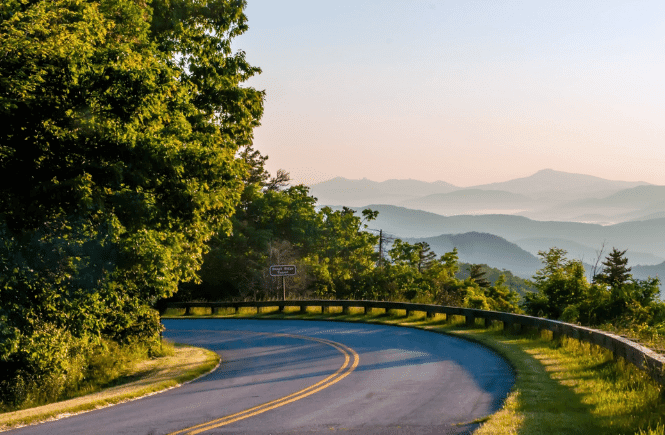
(505,225)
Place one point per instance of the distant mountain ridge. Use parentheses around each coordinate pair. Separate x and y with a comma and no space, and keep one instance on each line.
(559,185)
(484,248)
(471,201)
(342,191)
(639,236)
(546,195)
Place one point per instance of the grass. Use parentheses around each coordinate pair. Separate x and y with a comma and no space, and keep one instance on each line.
(182,364)
(562,386)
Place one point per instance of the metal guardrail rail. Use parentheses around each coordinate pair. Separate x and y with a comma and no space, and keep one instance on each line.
(642,357)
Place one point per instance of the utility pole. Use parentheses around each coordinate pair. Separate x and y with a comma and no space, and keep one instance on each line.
(380,247)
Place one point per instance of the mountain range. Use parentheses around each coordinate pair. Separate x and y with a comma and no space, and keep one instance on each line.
(545,195)
(643,237)
(484,248)
(505,225)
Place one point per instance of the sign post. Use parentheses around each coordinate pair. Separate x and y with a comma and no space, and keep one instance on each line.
(282,270)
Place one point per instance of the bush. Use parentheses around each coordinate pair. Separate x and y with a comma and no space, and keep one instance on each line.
(52,365)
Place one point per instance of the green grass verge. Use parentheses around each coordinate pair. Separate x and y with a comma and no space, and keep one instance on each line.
(561,387)
(148,377)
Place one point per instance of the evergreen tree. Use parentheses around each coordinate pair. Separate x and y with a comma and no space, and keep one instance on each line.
(615,272)
(426,256)
(477,274)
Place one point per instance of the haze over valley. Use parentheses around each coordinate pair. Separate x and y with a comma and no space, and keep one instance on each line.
(506,224)
(545,195)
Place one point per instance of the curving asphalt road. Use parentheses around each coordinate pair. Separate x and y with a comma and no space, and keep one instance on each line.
(304,377)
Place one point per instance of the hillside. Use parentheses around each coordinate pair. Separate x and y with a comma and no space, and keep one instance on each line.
(484,248)
(546,195)
(473,201)
(637,236)
(342,191)
(641,202)
(581,252)
(520,285)
(558,185)
(643,272)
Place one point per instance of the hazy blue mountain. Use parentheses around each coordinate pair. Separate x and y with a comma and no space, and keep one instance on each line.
(637,203)
(471,201)
(649,216)
(639,236)
(643,272)
(514,282)
(636,196)
(545,195)
(484,248)
(658,270)
(558,185)
(585,253)
(342,191)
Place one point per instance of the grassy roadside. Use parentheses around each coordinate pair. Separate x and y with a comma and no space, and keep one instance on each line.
(149,377)
(562,387)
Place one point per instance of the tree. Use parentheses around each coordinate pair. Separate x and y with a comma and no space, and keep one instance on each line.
(560,284)
(477,274)
(615,272)
(418,255)
(121,122)
(501,297)
(343,255)
(425,256)
(236,265)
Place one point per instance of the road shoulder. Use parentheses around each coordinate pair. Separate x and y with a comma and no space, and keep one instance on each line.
(153,376)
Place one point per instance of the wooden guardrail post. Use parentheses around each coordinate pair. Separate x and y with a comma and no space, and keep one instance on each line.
(509,326)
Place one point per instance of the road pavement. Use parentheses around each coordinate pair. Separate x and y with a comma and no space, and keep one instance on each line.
(308,377)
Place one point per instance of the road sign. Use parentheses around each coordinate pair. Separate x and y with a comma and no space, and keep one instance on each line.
(282,270)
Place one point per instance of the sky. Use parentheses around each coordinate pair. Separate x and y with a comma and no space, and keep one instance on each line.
(467,92)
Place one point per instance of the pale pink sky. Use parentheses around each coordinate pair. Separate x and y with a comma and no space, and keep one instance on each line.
(465,92)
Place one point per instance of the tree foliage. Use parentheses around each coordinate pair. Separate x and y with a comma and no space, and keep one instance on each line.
(121,122)
(615,297)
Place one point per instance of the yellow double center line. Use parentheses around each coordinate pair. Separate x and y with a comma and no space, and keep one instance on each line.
(340,374)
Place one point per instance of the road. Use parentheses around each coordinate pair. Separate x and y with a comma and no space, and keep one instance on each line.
(304,377)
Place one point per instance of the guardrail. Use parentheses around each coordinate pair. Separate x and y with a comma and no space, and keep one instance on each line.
(640,356)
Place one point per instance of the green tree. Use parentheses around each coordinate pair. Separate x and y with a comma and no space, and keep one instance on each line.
(121,122)
(344,254)
(625,298)
(560,284)
(615,272)
(477,274)
(418,255)
(237,264)
(517,284)
(501,297)
(426,256)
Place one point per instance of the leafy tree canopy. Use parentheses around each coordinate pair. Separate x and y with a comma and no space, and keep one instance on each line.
(121,124)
